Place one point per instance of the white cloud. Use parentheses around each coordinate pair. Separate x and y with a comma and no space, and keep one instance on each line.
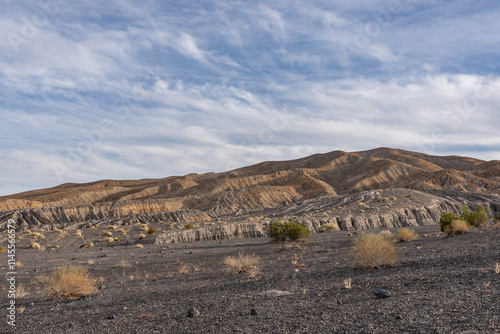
(193,89)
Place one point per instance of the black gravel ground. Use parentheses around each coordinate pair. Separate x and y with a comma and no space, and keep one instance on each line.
(440,285)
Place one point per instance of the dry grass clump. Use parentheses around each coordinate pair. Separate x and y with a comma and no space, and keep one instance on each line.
(456,227)
(37,235)
(18,264)
(348,283)
(138,246)
(327,227)
(123,264)
(78,233)
(89,245)
(386,234)
(20,291)
(69,282)
(108,234)
(142,236)
(372,250)
(120,230)
(2,250)
(34,245)
(108,239)
(184,269)
(497,268)
(242,264)
(406,234)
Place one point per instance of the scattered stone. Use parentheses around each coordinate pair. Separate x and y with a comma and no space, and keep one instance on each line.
(253,312)
(192,312)
(399,317)
(84,298)
(381,293)
(55,307)
(111,317)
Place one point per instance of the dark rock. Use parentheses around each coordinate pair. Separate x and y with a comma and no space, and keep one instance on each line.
(111,316)
(399,317)
(253,312)
(381,293)
(84,298)
(192,312)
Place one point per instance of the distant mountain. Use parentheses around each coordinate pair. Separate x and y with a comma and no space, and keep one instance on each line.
(256,188)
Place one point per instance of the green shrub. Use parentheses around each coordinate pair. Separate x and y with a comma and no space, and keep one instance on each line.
(475,218)
(152,231)
(497,217)
(288,231)
(446,219)
(188,226)
(2,250)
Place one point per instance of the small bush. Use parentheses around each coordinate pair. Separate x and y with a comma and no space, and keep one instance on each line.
(152,231)
(372,250)
(89,245)
(327,227)
(34,245)
(21,292)
(108,239)
(70,281)
(283,231)
(387,235)
(123,264)
(497,217)
(142,236)
(188,226)
(405,234)
(2,250)
(456,227)
(475,218)
(242,264)
(138,246)
(446,219)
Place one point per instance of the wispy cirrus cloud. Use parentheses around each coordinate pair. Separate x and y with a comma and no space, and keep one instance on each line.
(128,89)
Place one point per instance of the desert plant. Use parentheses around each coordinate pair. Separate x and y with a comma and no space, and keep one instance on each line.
(34,245)
(242,264)
(497,217)
(348,283)
(2,250)
(123,264)
(387,235)
(283,231)
(456,227)
(475,218)
(372,250)
(142,236)
(88,245)
(70,281)
(20,291)
(152,231)
(446,219)
(188,226)
(138,246)
(405,234)
(108,239)
(327,227)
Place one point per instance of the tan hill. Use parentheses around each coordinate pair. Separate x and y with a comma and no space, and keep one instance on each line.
(253,190)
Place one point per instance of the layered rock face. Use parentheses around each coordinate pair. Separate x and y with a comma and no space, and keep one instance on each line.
(317,189)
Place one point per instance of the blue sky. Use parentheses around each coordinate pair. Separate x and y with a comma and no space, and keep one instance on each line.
(148,89)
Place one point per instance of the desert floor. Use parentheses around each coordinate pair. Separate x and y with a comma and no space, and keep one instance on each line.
(440,285)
